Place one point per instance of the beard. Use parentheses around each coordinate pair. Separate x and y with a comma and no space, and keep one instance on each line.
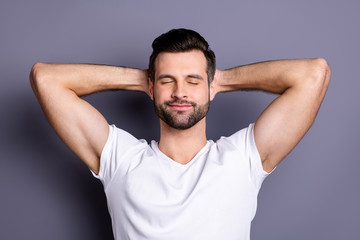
(180,119)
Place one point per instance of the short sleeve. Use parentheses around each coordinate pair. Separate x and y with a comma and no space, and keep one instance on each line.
(254,155)
(118,144)
(245,141)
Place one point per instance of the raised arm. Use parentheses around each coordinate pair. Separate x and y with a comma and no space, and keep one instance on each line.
(58,88)
(302,84)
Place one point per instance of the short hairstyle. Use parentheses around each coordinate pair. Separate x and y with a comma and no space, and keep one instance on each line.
(182,40)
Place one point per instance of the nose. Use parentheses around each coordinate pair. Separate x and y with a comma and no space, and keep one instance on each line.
(179,91)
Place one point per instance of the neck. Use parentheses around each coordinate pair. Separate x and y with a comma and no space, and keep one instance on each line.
(182,145)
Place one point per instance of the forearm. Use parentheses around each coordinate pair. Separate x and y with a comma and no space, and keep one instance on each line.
(271,76)
(85,79)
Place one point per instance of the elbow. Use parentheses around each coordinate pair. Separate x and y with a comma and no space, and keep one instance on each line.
(318,75)
(37,76)
(322,73)
(36,72)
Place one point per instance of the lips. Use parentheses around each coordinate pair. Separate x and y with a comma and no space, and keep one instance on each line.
(180,107)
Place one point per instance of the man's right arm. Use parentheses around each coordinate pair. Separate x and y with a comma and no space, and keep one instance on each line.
(58,88)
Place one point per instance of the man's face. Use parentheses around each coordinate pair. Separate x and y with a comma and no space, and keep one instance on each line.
(181,92)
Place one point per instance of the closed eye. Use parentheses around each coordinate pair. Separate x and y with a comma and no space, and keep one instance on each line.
(166,81)
(194,79)
(193,83)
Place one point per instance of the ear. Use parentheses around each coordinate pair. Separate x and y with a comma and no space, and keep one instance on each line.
(213,89)
(151,89)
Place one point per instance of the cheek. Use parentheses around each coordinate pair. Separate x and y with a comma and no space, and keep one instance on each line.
(202,95)
(160,94)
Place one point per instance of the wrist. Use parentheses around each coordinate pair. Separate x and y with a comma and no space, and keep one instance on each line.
(229,80)
(132,79)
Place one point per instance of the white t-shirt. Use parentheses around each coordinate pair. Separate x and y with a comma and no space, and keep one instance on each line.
(150,196)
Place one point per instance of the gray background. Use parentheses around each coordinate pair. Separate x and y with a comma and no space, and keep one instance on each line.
(47,193)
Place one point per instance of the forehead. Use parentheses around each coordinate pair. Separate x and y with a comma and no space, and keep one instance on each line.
(186,62)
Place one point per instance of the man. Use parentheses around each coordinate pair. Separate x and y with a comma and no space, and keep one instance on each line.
(184,186)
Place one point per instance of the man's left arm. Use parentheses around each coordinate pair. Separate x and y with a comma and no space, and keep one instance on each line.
(301,83)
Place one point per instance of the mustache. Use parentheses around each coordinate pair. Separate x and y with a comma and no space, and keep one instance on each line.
(180,102)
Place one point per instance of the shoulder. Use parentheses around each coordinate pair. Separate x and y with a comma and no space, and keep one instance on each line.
(118,135)
(240,149)
(120,148)
(240,139)
(120,143)
(234,148)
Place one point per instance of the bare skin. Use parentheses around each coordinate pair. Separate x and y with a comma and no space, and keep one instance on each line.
(82,128)
(182,76)
(301,84)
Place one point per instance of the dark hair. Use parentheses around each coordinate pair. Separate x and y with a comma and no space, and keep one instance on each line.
(182,40)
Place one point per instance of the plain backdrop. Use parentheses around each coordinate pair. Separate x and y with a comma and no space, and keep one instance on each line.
(47,193)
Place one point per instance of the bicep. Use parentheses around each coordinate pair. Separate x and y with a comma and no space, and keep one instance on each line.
(81,127)
(285,121)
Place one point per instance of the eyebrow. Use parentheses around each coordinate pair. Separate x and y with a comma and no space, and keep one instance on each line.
(197,76)
(162,76)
